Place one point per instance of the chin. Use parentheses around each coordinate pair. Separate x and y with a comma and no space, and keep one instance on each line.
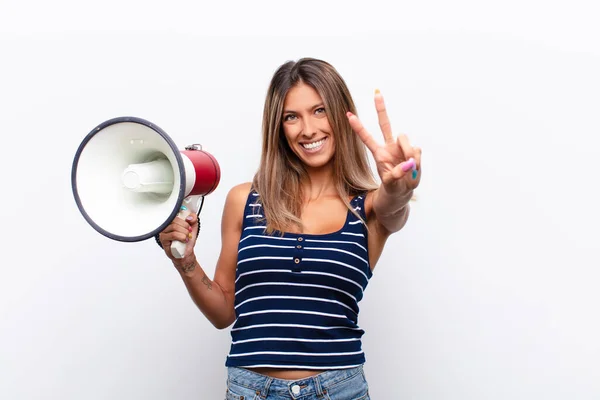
(318,163)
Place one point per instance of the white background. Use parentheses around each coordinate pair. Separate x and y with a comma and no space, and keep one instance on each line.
(491,290)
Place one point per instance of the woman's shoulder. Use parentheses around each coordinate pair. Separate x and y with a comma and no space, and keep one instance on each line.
(239,193)
(368,202)
(241,189)
(235,203)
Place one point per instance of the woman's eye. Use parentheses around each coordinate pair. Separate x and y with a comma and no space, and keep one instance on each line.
(289,117)
(320,110)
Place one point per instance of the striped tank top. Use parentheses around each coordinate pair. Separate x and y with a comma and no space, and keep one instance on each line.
(297,295)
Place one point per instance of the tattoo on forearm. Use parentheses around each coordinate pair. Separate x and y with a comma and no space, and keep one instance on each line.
(207,282)
(189,267)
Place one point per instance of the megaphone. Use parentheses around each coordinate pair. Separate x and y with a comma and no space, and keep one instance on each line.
(130,180)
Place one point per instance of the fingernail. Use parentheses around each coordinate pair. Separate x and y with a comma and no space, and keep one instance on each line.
(408,165)
(187,240)
(190,228)
(377,91)
(189,218)
(349,114)
(415,173)
(190,235)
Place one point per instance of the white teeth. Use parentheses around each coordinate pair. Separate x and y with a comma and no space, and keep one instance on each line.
(313,145)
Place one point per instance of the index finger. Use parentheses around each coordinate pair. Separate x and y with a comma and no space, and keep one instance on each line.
(186,222)
(362,132)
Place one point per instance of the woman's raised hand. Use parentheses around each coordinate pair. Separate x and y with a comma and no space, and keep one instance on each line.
(398,163)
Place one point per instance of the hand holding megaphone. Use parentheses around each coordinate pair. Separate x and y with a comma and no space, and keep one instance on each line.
(130,180)
(180,236)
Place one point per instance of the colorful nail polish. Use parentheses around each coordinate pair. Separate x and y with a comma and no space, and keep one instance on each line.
(414,170)
(410,164)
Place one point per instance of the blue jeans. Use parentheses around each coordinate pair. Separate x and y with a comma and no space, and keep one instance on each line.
(340,384)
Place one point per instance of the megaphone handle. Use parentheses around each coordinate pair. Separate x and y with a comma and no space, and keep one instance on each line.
(190,205)
(177,247)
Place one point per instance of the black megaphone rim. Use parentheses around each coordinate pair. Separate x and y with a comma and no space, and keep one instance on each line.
(182,180)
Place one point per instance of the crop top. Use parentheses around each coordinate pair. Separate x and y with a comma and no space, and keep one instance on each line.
(297,295)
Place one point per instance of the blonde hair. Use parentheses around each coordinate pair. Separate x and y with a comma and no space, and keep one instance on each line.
(278,179)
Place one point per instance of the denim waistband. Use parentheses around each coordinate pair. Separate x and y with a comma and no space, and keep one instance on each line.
(298,388)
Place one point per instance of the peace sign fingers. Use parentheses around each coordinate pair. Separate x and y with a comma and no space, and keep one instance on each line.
(362,132)
(384,121)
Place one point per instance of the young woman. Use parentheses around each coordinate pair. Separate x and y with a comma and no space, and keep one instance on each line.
(300,241)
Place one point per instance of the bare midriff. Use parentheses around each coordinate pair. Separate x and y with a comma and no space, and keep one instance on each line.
(290,374)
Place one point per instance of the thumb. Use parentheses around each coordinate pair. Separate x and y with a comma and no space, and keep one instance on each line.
(401,169)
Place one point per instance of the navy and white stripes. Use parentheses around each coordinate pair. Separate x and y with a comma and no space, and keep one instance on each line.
(297,295)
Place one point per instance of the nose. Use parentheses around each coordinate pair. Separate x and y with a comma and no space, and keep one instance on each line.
(308,129)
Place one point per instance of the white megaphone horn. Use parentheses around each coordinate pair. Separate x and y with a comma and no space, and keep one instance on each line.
(130,180)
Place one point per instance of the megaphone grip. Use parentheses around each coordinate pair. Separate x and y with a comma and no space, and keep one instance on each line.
(157,236)
(191,204)
(177,247)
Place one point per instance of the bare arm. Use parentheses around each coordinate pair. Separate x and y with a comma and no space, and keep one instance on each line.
(215,297)
(383,221)
(399,167)
(391,210)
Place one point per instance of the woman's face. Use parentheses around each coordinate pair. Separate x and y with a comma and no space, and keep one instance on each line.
(306,126)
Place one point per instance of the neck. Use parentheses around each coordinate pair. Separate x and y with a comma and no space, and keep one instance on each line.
(319,183)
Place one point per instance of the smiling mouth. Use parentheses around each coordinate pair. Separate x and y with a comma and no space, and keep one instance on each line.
(314,145)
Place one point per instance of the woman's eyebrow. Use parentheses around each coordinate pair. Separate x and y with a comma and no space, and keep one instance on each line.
(309,109)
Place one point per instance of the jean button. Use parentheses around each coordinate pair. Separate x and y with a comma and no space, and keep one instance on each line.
(296,389)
